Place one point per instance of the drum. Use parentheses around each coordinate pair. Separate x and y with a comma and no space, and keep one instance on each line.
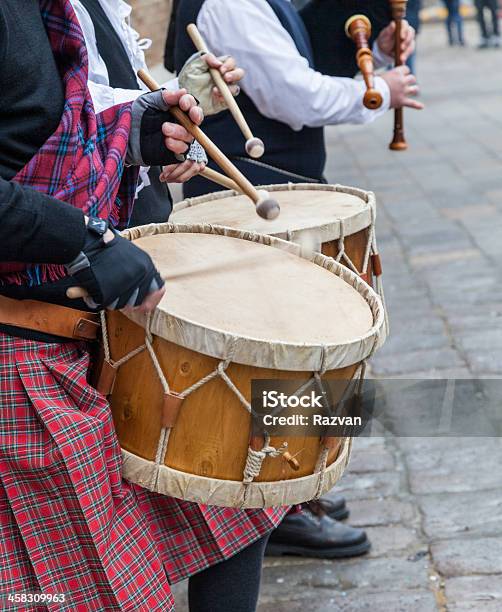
(335,220)
(239,307)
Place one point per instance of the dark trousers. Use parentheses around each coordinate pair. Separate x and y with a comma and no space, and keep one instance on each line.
(492,6)
(454,22)
(229,586)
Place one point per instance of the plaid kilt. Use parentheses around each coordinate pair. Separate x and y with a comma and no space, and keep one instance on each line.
(68,522)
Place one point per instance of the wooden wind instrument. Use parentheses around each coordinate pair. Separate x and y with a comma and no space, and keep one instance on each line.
(398,14)
(266,206)
(358,29)
(254,146)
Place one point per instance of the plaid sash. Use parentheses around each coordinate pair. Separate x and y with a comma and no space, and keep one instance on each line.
(82,163)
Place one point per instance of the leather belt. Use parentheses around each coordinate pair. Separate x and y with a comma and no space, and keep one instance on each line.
(49,318)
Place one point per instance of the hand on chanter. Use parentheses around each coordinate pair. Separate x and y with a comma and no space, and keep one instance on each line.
(386,40)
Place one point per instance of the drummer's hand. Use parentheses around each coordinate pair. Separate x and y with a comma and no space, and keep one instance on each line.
(114,273)
(154,139)
(176,137)
(231,73)
(186,102)
(386,40)
(149,304)
(181,173)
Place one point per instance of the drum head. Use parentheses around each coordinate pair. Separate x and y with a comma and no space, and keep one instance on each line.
(251,290)
(271,300)
(303,208)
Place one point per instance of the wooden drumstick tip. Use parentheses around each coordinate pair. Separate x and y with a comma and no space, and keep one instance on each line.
(372,99)
(267,207)
(255,148)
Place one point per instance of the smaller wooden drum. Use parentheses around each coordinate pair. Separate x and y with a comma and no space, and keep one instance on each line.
(239,306)
(334,220)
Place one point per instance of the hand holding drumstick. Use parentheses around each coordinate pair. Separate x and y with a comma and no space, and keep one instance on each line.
(266,207)
(254,146)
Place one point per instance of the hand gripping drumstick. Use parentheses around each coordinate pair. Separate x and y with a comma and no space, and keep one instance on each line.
(266,207)
(398,14)
(254,146)
(358,29)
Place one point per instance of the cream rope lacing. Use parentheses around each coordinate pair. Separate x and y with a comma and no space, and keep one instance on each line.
(255,459)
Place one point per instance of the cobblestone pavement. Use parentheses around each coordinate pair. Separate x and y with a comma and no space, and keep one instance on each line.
(432,506)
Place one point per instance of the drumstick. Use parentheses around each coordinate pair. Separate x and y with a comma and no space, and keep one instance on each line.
(266,207)
(220,179)
(208,173)
(254,146)
(398,14)
(358,29)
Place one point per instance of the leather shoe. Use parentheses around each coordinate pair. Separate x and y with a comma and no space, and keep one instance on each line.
(333,506)
(306,535)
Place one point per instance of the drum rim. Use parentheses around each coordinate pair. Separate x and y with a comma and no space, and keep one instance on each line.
(217,343)
(329,230)
(165,480)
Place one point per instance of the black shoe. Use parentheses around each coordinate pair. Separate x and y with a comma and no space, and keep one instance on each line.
(334,507)
(307,535)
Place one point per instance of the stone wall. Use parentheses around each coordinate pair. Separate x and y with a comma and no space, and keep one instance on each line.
(150,18)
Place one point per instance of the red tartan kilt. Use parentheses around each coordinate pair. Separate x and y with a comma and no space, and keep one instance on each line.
(68,522)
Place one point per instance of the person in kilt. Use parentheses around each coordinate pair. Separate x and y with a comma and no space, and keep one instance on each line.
(114,57)
(69,525)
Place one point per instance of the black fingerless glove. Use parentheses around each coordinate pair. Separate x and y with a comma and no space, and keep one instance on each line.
(146,145)
(116,273)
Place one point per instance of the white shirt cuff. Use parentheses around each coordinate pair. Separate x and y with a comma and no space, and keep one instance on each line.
(381,59)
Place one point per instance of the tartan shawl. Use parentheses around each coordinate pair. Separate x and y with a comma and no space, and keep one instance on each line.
(82,163)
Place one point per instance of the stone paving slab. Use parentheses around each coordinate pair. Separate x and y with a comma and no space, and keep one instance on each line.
(365,574)
(313,601)
(467,593)
(371,512)
(468,556)
(476,513)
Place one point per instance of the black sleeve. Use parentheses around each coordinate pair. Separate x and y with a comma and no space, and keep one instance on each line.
(171,34)
(35,228)
(334,53)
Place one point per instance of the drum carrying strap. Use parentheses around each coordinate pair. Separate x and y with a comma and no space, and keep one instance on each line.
(49,319)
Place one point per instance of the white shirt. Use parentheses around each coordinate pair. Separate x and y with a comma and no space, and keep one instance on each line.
(278,79)
(118,12)
(104,96)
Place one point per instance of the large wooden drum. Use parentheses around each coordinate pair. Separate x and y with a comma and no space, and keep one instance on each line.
(334,220)
(239,306)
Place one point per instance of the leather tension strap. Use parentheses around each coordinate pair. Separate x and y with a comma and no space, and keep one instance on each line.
(49,318)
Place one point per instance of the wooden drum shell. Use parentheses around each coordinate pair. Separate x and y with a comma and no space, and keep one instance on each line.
(211,435)
(202,451)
